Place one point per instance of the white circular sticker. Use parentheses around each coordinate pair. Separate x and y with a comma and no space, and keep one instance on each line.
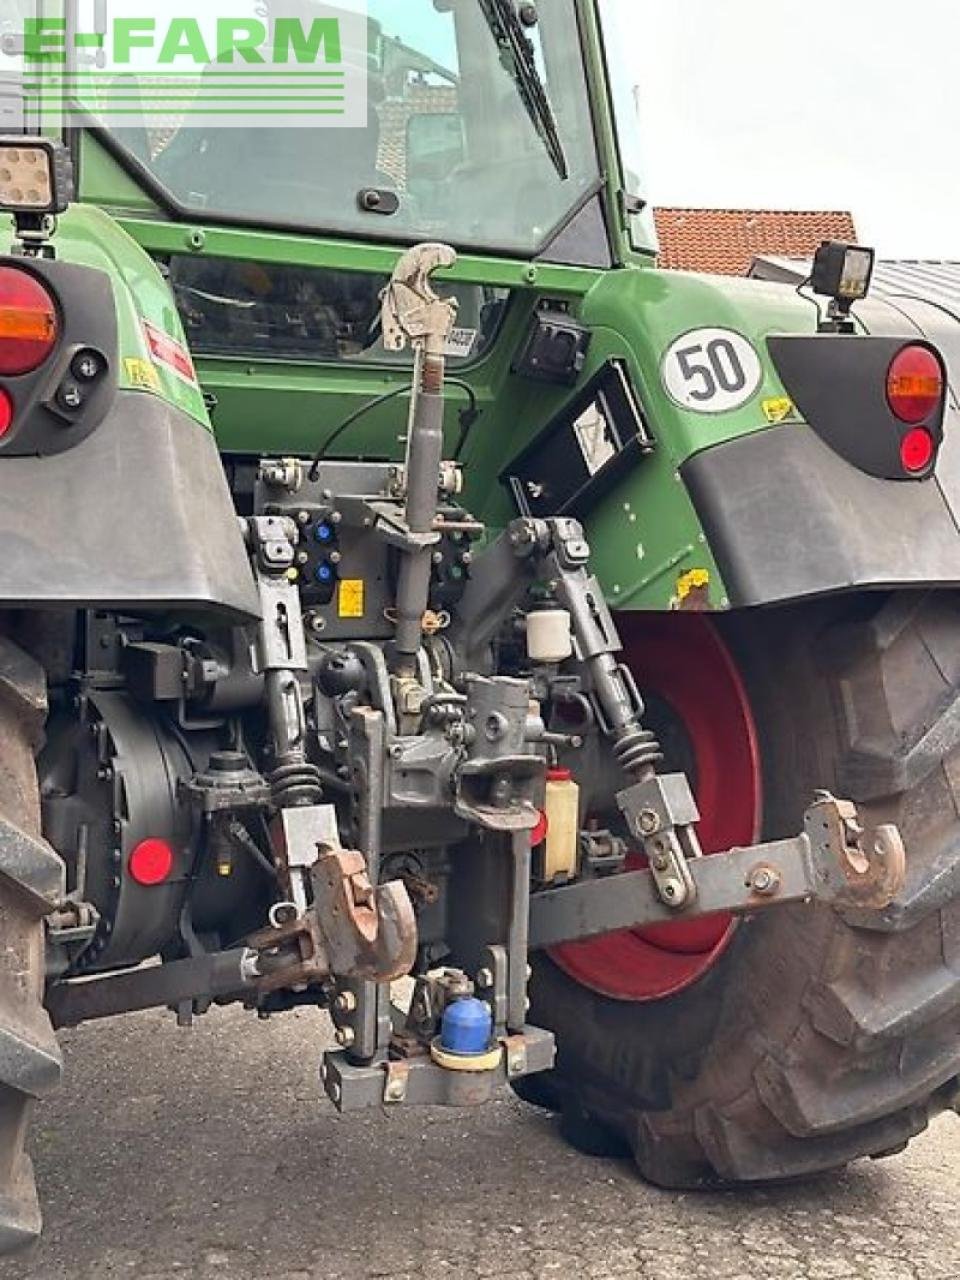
(712,371)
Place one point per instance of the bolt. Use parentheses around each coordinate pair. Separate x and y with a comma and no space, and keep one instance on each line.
(765,881)
(346,1002)
(395,1091)
(335,1092)
(485,979)
(672,890)
(660,862)
(649,822)
(345,1037)
(517,1064)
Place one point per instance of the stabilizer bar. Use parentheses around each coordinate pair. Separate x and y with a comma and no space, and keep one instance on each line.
(828,861)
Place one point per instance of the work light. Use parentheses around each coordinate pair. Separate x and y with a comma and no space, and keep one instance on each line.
(842,272)
(36,176)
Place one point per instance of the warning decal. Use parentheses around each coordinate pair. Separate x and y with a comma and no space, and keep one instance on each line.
(170,353)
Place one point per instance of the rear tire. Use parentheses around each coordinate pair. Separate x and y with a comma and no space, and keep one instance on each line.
(30,882)
(816,1038)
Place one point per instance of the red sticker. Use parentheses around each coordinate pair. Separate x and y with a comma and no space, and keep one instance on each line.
(170,353)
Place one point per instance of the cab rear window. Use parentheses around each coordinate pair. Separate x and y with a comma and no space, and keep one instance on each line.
(252,309)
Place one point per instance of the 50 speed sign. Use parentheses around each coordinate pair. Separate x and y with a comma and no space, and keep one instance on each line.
(712,371)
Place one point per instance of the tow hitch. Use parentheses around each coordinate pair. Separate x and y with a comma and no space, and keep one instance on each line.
(830,861)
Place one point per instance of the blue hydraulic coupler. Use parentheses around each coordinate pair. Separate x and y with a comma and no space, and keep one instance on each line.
(467,1028)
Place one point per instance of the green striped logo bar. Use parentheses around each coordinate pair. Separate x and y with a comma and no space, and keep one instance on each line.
(238,63)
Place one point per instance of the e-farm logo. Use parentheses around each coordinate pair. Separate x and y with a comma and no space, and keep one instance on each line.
(146,62)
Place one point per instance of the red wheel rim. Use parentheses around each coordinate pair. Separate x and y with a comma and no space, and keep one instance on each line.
(681,659)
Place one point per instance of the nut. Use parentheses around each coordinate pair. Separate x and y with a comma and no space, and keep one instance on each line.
(764,881)
(485,979)
(345,1037)
(649,822)
(395,1091)
(346,1002)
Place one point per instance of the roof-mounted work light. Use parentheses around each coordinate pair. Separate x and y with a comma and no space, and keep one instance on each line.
(36,183)
(843,273)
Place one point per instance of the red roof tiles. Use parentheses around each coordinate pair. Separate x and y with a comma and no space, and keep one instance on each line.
(725,241)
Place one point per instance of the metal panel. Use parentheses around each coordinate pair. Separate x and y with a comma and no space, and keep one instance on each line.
(138,517)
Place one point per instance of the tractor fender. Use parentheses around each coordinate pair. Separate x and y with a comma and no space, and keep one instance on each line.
(789,519)
(138,517)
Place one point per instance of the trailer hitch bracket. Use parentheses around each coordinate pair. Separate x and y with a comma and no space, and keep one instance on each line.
(830,861)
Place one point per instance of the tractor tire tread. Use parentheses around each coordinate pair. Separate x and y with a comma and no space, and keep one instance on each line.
(30,884)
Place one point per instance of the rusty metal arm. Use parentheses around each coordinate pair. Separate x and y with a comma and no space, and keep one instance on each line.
(829,861)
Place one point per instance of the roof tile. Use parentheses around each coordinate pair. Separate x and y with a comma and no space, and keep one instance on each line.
(725,241)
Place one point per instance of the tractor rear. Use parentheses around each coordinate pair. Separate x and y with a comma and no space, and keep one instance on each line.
(403,578)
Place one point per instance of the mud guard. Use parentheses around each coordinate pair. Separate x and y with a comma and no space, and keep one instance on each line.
(789,519)
(136,517)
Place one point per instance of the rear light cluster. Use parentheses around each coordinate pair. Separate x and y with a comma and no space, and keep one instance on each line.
(34,335)
(28,323)
(29,331)
(915,393)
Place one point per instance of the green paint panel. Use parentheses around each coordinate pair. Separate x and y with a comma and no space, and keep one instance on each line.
(89,237)
(646,537)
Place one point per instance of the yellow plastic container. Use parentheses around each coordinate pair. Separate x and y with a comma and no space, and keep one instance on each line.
(562,810)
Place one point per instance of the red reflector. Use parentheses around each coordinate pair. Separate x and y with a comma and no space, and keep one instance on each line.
(917,450)
(915,384)
(28,322)
(6,412)
(540,831)
(151,862)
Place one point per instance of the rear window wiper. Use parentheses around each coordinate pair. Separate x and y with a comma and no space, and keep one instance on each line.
(519,59)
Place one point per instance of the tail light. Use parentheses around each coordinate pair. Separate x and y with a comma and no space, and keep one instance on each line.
(29,326)
(915,385)
(6,412)
(917,450)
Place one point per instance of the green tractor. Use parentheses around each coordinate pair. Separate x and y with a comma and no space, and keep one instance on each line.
(403,578)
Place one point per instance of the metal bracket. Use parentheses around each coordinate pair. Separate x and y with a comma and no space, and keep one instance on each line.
(420,1081)
(662,813)
(830,861)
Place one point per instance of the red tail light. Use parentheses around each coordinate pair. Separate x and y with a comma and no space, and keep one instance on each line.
(917,450)
(915,385)
(28,322)
(6,412)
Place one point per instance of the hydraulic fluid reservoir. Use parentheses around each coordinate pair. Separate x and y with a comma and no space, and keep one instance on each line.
(549,636)
(563,825)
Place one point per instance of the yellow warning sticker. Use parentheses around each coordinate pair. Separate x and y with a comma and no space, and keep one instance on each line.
(143,374)
(352,598)
(693,591)
(779,410)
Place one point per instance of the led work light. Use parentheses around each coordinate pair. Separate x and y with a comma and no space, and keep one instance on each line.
(36,176)
(842,272)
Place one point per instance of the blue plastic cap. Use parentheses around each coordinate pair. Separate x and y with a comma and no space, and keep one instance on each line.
(324,573)
(323,533)
(467,1028)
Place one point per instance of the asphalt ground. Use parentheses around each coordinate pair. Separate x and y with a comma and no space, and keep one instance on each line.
(208,1153)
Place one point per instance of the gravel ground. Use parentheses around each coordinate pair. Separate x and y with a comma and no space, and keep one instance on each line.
(207,1153)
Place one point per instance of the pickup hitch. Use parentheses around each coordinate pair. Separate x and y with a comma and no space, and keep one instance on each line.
(830,861)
